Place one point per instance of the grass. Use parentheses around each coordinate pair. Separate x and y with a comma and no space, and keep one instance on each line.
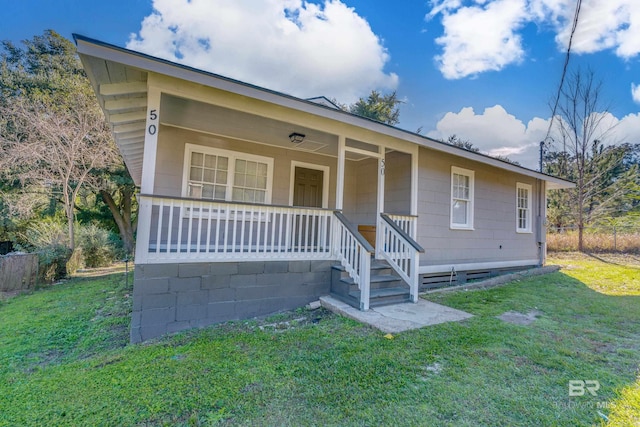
(64,360)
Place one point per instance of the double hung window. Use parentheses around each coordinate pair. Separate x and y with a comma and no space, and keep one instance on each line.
(462,181)
(523,208)
(216,174)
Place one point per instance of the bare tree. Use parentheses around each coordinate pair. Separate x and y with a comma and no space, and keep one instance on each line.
(582,156)
(55,143)
(46,99)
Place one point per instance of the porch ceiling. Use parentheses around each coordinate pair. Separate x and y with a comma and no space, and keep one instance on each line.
(220,121)
(122,93)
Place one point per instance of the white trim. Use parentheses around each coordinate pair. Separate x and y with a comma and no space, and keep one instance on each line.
(342,141)
(414,181)
(149,155)
(325,180)
(366,153)
(527,229)
(470,207)
(150,141)
(232,155)
(447,268)
(380,198)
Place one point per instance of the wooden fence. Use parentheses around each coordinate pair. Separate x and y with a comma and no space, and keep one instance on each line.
(18,271)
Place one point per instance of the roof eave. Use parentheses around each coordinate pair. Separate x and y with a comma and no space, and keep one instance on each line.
(96,48)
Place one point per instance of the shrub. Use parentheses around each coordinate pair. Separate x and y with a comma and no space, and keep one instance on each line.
(76,261)
(53,262)
(97,246)
(48,238)
(48,232)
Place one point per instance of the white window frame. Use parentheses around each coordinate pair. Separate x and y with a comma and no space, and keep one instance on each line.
(470,202)
(232,156)
(528,228)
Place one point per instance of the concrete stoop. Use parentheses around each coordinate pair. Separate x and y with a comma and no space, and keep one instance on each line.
(397,317)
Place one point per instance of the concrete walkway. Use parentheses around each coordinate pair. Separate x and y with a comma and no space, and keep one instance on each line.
(397,317)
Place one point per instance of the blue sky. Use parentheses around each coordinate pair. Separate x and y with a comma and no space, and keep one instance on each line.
(485,70)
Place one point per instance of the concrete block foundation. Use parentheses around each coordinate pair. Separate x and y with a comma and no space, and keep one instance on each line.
(173,297)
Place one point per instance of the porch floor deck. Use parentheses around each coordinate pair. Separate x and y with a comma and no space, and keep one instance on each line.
(397,317)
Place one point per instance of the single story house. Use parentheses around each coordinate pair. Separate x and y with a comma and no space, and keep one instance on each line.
(253,201)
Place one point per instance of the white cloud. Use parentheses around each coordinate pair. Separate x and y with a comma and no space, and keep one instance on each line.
(480,38)
(486,36)
(496,132)
(611,24)
(301,48)
(635,92)
(626,129)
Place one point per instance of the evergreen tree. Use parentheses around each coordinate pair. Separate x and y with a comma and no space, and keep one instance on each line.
(382,108)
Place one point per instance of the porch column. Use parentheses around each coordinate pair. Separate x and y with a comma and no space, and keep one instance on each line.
(342,142)
(148,172)
(380,201)
(414,189)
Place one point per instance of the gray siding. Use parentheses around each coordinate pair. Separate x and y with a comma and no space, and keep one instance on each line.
(494,237)
(361,187)
(397,183)
(361,191)
(349,205)
(170,161)
(366,191)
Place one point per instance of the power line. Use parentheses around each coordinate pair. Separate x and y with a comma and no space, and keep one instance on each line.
(564,70)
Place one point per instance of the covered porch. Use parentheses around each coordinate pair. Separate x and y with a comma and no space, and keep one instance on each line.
(330,196)
(229,172)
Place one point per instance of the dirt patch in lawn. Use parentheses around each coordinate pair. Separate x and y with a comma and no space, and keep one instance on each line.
(520,318)
(5,295)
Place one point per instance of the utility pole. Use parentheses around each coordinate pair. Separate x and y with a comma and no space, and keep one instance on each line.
(541,153)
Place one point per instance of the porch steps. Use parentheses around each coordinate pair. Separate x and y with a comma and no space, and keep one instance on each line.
(386,287)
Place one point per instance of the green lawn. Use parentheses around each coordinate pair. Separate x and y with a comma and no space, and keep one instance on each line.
(64,360)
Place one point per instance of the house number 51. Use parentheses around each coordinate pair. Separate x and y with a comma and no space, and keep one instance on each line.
(153,116)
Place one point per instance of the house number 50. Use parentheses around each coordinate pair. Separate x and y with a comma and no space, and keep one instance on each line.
(153,116)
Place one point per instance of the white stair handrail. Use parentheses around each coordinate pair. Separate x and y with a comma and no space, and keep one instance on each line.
(354,253)
(401,252)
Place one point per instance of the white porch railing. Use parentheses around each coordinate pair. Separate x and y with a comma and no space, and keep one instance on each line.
(188,230)
(401,252)
(354,253)
(407,223)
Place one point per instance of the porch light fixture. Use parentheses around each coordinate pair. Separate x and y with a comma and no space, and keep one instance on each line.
(296,137)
